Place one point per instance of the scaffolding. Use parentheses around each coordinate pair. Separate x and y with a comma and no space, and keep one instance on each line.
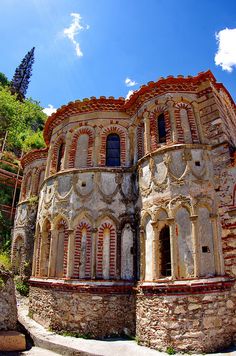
(9,179)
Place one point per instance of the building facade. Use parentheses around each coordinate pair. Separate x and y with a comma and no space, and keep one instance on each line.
(135,226)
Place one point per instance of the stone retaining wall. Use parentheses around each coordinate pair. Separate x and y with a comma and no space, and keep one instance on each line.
(8,311)
(97,315)
(198,323)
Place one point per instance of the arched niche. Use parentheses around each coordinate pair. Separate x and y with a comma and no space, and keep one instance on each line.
(185,243)
(106,250)
(45,248)
(205,233)
(60,156)
(185,125)
(127,252)
(83,250)
(61,249)
(81,156)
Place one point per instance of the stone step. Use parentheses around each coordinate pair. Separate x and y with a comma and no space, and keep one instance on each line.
(12,341)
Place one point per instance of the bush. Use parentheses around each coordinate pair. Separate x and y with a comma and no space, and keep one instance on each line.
(5,260)
(170,350)
(22,287)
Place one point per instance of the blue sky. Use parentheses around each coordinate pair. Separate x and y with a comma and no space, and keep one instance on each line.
(115,40)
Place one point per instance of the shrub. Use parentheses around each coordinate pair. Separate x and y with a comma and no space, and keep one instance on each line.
(5,260)
(170,350)
(22,287)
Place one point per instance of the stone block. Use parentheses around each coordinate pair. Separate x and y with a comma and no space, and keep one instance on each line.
(12,341)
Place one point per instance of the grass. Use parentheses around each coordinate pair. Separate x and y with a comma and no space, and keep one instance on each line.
(5,260)
(74,334)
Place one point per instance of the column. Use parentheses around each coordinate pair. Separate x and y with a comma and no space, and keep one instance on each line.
(155,252)
(198,122)
(48,164)
(53,253)
(219,267)
(70,253)
(174,133)
(94,252)
(196,249)
(142,254)
(96,147)
(65,163)
(146,132)
(173,248)
(130,146)
(118,254)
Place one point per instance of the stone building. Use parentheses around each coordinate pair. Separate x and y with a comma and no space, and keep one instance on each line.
(136,216)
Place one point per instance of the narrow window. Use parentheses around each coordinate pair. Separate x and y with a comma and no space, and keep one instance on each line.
(60,156)
(165,265)
(161,128)
(113,150)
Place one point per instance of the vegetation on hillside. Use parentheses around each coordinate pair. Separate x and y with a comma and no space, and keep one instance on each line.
(21,125)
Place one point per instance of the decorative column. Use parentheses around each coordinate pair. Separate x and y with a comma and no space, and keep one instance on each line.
(130,148)
(217,256)
(146,132)
(94,252)
(70,253)
(65,163)
(48,163)
(155,252)
(199,124)
(170,108)
(118,254)
(96,147)
(173,248)
(196,249)
(142,254)
(53,253)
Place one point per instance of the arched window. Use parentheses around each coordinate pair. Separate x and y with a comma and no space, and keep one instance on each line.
(165,263)
(113,150)
(161,128)
(60,156)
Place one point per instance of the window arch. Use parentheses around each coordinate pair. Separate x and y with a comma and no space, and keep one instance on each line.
(161,128)
(60,156)
(165,255)
(113,150)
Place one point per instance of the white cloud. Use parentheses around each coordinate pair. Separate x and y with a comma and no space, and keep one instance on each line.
(226,54)
(130,83)
(72,31)
(130,92)
(50,110)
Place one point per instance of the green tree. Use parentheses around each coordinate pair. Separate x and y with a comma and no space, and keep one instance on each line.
(22,120)
(3,80)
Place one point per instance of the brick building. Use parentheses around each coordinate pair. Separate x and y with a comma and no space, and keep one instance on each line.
(135,225)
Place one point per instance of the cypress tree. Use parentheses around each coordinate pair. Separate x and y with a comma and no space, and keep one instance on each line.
(20,81)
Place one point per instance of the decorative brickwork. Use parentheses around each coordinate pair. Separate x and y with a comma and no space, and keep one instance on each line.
(140,139)
(73,148)
(180,124)
(83,251)
(122,134)
(106,231)
(156,217)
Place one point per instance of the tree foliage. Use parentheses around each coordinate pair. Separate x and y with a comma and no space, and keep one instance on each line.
(23,121)
(3,80)
(20,81)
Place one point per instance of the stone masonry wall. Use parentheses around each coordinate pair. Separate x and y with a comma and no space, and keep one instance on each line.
(8,311)
(198,323)
(96,315)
